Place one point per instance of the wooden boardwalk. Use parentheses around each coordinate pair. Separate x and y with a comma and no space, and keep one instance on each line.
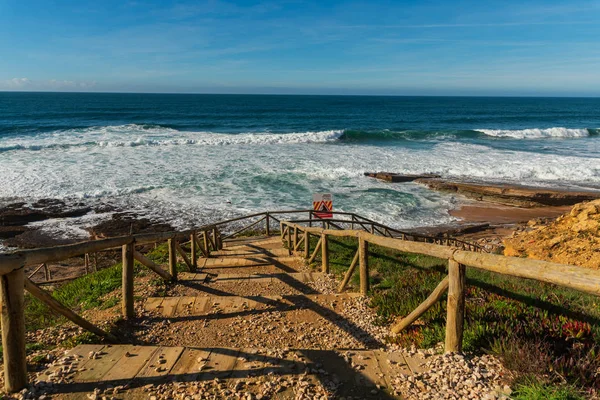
(262,264)
(360,372)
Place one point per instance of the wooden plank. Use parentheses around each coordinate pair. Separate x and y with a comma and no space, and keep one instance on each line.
(434,250)
(571,276)
(370,373)
(97,368)
(153,303)
(185,305)
(81,354)
(201,305)
(249,359)
(161,362)
(415,364)
(221,363)
(130,363)
(169,305)
(190,364)
(386,361)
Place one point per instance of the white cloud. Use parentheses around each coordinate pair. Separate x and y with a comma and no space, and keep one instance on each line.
(15,83)
(52,84)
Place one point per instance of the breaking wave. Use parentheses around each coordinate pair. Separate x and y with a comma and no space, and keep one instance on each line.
(132,135)
(536,133)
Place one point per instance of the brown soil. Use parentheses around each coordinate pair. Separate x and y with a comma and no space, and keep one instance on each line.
(573,238)
(499,214)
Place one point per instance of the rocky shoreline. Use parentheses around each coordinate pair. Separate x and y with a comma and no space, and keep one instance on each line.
(498,193)
(19,226)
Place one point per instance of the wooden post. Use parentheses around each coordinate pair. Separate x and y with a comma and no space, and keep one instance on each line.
(86,260)
(152,265)
(206,247)
(310,218)
(289,240)
(456,306)
(184,256)
(433,298)
(51,302)
(268,225)
(306,244)
(324,254)
(363,258)
(314,254)
(295,237)
(193,252)
(172,258)
(47,272)
(348,274)
(13,330)
(127,305)
(215,238)
(219,239)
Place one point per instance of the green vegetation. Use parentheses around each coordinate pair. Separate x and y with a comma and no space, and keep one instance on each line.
(546,333)
(80,294)
(536,390)
(92,291)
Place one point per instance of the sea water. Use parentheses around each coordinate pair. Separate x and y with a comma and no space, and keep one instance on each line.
(192,159)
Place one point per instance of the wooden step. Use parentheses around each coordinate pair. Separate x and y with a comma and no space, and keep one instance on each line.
(266,278)
(359,372)
(205,305)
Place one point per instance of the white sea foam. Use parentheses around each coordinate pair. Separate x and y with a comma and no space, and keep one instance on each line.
(142,135)
(193,184)
(536,133)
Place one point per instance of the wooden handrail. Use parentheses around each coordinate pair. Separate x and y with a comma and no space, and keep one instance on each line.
(569,276)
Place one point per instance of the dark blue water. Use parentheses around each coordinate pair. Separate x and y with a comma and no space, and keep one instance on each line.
(39,112)
(209,154)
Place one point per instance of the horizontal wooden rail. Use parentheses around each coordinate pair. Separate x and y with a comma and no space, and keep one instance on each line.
(569,276)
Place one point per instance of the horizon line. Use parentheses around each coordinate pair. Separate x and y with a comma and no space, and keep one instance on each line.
(303,94)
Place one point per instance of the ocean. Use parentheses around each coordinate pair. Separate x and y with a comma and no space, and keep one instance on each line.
(191,159)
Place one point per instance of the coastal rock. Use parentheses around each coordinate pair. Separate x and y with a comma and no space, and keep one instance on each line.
(122,224)
(16,217)
(514,195)
(398,178)
(571,239)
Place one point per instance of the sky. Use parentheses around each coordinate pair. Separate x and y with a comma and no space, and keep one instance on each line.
(520,48)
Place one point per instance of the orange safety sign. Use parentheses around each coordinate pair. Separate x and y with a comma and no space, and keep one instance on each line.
(323,204)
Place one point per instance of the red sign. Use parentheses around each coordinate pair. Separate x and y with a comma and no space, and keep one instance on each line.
(323,205)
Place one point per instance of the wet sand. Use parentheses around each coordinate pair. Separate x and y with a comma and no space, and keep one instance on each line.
(496,214)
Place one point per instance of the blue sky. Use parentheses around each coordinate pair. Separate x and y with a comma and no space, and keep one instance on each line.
(351,47)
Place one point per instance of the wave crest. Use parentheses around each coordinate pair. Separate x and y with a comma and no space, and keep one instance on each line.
(133,135)
(536,133)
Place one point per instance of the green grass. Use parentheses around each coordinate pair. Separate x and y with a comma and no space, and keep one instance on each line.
(536,390)
(504,314)
(80,294)
(90,291)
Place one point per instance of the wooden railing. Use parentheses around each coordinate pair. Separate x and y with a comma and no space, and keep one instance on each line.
(204,240)
(297,235)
